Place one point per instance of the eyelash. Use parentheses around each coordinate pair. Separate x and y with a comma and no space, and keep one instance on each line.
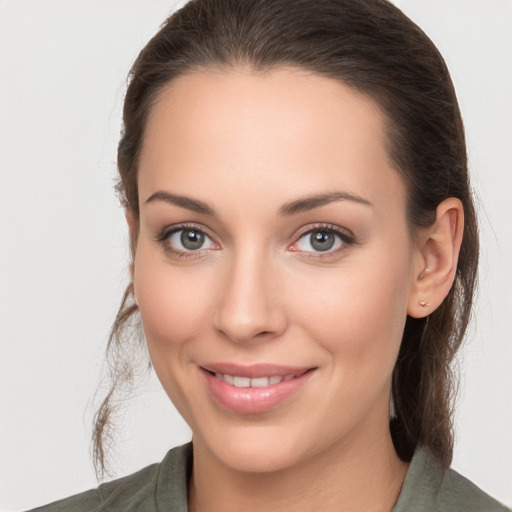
(346,238)
(167,232)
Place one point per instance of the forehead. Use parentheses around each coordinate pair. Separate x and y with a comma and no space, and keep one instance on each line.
(285,126)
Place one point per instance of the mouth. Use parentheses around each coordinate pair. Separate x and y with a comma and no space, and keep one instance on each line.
(256,388)
(240,381)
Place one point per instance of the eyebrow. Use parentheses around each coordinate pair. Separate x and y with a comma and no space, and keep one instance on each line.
(310,202)
(182,201)
(297,206)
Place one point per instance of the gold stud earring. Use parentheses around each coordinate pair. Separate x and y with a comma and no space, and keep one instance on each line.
(424,303)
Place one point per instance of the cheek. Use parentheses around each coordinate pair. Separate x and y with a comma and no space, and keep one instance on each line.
(172,304)
(358,313)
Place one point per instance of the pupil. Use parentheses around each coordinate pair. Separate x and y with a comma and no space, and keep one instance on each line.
(322,240)
(192,240)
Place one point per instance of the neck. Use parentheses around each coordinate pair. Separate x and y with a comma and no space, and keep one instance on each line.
(350,477)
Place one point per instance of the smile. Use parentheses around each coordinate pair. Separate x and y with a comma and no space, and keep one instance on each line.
(257,382)
(253,389)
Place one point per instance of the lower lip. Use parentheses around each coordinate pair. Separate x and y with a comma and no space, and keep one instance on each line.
(253,400)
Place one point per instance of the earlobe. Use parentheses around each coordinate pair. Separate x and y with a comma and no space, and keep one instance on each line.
(438,253)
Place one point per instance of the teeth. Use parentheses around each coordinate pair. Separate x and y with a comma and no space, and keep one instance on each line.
(257,382)
(242,382)
(260,382)
(229,379)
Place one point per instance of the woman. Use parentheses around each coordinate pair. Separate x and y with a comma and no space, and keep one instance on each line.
(304,255)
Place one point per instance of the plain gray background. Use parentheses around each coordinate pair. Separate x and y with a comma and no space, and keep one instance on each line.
(63,244)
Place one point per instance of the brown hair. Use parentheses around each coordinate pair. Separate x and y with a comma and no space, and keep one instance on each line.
(371,46)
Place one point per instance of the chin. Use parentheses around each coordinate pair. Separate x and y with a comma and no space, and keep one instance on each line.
(256,459)
(256,449)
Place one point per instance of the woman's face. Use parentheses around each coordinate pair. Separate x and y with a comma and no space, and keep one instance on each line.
(273,266)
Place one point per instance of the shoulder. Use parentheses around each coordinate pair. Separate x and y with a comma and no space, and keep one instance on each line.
(429,487)
(458,493)
(162,483)
(85,501)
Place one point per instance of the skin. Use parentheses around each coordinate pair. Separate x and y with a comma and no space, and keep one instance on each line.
(246,144)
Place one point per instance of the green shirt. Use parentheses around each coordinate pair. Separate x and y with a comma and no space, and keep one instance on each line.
(428,487)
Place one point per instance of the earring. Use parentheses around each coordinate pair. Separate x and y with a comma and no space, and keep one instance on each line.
(424,303)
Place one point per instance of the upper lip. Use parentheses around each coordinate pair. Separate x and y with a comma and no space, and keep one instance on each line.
(255,370)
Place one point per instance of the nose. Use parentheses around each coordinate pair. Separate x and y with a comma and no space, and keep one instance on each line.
(249,306)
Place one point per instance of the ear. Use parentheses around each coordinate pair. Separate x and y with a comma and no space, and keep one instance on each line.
(437,252)
(133,227)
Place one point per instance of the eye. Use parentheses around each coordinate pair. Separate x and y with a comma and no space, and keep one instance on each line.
(326,240)
(185,241)
(319,241)
(188,240)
